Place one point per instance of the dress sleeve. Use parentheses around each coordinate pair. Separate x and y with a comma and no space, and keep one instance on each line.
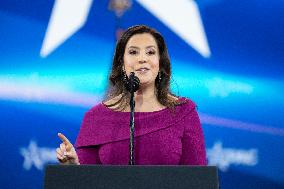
(193,147)
(87,154)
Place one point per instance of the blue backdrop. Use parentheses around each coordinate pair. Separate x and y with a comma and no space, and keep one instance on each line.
(238,86)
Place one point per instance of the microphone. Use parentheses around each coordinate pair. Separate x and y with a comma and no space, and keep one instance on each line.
(132,83)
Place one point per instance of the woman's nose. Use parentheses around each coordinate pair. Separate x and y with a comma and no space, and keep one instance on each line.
(142,58)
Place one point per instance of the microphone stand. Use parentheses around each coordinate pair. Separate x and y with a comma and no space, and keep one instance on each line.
(131,144)
(133,87)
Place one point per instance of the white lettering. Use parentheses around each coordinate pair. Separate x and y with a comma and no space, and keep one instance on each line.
(224,157)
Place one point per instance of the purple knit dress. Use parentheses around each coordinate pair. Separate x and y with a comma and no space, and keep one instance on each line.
(161,137)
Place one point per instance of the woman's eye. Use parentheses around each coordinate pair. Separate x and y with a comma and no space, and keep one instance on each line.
(133,52)
(151,52)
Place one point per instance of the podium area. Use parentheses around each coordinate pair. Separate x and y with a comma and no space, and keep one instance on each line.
(131,177)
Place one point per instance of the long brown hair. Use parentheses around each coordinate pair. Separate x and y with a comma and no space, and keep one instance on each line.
(162,82)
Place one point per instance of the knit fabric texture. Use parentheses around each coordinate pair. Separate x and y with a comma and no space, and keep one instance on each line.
(161,137)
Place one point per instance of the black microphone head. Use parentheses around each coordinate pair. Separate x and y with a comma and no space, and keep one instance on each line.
(132,83)
(135,84)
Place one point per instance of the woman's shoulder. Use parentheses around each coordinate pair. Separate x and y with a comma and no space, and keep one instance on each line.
(186,103)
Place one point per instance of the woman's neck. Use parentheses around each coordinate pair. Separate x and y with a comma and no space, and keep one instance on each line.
(146,100)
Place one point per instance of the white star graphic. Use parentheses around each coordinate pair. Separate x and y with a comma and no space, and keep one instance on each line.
(181,16)
(34,155)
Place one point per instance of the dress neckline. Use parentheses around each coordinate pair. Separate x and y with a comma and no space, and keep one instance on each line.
(180,99)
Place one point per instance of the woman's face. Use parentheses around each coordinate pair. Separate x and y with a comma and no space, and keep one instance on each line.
(142,57)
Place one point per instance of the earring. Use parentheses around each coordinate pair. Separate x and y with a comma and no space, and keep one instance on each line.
(124,76)
(160,76)
(125,80)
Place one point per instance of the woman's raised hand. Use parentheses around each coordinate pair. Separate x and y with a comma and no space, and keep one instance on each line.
(66,153)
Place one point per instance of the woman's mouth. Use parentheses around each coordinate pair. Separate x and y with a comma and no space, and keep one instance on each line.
(142,70)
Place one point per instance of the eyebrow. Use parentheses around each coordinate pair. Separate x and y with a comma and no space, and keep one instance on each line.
(134,47)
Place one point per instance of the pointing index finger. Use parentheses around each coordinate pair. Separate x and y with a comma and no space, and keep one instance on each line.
(64,139)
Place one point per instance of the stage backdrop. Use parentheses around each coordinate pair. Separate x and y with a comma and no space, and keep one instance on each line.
(227,56)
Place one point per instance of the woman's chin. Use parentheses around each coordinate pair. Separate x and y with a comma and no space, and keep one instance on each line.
(144,83)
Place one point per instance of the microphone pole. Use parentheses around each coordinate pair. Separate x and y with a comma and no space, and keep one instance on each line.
(133,86)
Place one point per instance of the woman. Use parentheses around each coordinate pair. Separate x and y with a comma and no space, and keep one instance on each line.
(167,128)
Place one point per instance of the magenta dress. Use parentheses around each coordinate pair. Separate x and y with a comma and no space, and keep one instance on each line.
(161,137)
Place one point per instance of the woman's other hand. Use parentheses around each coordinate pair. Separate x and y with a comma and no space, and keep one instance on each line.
(66,153)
